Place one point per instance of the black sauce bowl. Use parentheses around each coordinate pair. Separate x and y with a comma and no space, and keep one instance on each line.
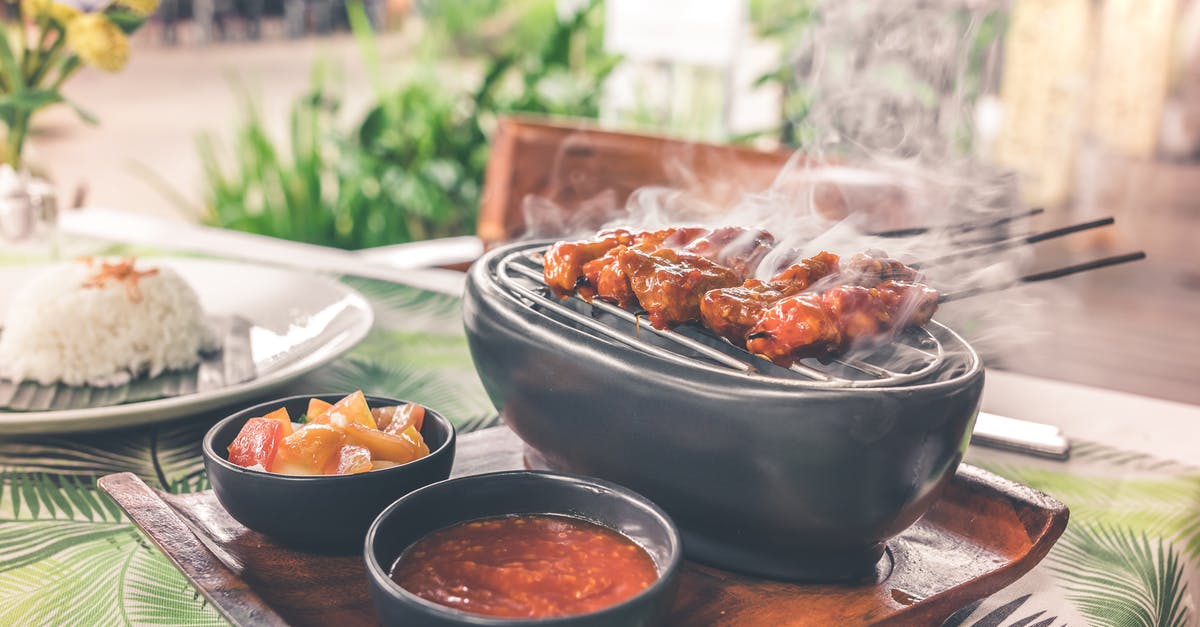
(521,492)
(329,513)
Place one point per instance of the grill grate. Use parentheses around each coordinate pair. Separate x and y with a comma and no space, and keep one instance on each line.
(915,353)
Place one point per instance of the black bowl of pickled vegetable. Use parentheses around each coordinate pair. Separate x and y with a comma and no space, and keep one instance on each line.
(523,548)
(312,472)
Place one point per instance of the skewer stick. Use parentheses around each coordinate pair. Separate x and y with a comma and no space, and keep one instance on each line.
(1084,267)
(1046,276)
(999,221)
(1016,241)
(959,228)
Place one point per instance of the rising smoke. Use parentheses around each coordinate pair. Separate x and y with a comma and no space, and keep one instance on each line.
(885,143)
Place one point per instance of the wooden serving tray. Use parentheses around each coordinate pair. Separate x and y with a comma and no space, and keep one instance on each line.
(982,535)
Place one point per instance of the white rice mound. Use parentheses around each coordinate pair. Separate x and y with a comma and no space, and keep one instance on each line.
(56,330)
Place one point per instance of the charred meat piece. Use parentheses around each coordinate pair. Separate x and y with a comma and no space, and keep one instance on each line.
(820,325)
(872,268)
(670,284)
(736,248)
(608,282)
(794,327)
(566,267)
(731,312)
(563,266)
(675,238)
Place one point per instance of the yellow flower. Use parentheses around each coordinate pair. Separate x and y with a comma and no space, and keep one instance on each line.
(59,12)
(98,42)
(63,13)
(141,7)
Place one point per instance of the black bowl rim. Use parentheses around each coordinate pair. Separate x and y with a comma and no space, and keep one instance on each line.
(483,269)
(674,562)
(210,453)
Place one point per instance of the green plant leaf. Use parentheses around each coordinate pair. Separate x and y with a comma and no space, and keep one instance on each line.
(1155,504)
(164,455)
(409,302)
(87,116)
(1132,460)
(413,167)
(38,496)
(111,580)
(71,557)
(491,78)
(444,391)
(14,79)
(126,20)
(33,541)
(373,127)
(360,25)
(155,593)
(1116,576)
(29,100)
(477,423)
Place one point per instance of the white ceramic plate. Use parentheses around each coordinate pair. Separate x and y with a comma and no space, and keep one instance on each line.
(299,323)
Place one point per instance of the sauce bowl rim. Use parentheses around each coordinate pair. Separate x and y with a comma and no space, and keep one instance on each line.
(666,573)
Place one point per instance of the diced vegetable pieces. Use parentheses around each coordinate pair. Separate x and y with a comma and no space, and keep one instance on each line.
(317,409)
(383,415)
(284,419)
(352,409)
(346,437)
(290,467)
(351,459)
(256,443)
(383,446)
(397,418)
(308,451)
(412,435)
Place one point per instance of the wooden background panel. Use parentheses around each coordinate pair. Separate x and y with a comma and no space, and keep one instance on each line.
(589,173)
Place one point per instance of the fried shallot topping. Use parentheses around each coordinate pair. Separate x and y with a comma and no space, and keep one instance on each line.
(119,271)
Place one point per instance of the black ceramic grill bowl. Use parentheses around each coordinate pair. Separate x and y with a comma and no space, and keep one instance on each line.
(766,472)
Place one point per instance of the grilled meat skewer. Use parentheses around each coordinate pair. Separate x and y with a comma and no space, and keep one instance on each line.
(564,262)
(669,284)
(666,271)
(874,267)
(680,275)
(606,279)
(813,324)
(731,312)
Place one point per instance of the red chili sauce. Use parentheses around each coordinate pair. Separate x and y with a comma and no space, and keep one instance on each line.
(526,566)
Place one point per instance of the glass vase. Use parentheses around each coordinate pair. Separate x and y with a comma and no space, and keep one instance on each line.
(28,214)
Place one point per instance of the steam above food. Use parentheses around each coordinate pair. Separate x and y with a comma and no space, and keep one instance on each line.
(886,157)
